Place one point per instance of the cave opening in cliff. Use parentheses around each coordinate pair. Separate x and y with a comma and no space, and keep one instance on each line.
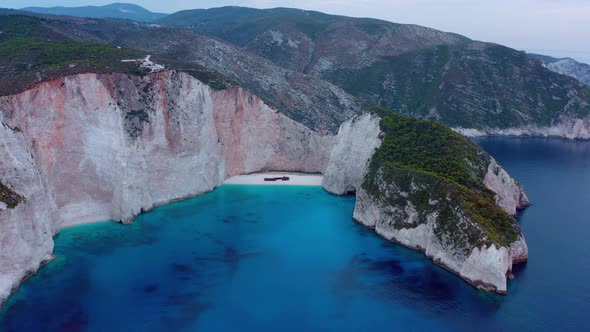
(350,191)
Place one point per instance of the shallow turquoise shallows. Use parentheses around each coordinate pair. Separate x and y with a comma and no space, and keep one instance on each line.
(253,258)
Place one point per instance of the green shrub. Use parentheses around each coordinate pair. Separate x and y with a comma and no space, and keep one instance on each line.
(9,196)
(447,168)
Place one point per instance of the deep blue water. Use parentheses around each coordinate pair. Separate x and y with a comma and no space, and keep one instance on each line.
(245,258)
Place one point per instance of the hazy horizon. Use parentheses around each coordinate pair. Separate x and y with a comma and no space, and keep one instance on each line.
(550,27)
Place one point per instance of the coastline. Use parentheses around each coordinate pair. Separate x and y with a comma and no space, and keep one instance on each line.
(83,222)
(576,130)
(255,179)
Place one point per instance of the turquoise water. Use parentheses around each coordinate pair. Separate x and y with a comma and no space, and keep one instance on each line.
(249,258)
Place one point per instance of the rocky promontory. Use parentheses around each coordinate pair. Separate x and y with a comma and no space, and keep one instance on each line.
(427,188)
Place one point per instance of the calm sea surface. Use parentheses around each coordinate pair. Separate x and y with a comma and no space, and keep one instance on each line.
(253,258)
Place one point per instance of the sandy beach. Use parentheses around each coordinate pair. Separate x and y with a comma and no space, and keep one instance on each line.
(295,179)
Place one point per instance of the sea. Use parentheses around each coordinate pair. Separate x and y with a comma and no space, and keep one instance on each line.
(288,258)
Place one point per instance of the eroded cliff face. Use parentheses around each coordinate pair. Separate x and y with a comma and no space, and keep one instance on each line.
(356,143)
(460,246)
(25,233)
(509,194)
(424,212)
(97,147)
(253,140)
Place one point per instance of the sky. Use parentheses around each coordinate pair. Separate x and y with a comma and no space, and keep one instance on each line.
(554,27)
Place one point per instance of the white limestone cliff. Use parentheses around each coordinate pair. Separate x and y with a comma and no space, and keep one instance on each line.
(356,143)
(509,194)
(486,267)
(25,233)
(98,147)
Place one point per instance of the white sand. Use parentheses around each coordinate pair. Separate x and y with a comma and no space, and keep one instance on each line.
(83,222)
(295,179)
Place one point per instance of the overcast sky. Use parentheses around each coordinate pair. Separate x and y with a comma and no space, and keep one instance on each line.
(554,27)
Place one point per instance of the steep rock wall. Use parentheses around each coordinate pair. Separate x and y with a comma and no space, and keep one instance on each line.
(25,233)
(486,267)
(418,227)
(509,194)
(356,143)
(252,140)
(97,147)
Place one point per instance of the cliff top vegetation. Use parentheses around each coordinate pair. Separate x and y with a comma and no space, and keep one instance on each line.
(452,167)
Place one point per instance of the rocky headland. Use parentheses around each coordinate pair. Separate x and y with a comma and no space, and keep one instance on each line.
(421,185)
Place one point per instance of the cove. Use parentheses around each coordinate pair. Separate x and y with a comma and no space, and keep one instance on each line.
(255,258)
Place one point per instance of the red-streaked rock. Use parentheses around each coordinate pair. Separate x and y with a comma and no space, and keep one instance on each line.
(94,147)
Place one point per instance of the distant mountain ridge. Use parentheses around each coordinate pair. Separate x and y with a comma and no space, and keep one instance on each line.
(321,69)
(115,10)
(301,39)
(566,66)
(415,70)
